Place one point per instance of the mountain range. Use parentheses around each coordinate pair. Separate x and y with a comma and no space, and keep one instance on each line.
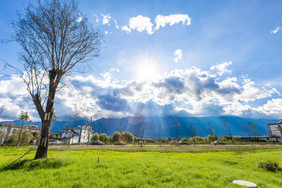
(169,126)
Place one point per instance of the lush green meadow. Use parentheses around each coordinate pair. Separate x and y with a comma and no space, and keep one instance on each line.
(146,167)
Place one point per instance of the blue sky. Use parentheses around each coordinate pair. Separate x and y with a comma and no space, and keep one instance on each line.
(194,58)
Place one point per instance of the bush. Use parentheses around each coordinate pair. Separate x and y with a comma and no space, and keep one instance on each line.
(25,139)
(269,166)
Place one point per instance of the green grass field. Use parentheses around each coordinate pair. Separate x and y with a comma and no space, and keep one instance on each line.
(146,167)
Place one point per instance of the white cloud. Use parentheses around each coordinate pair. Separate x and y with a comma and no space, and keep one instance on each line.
(106,32)
(272,107)
(177,55)
(116,24)
(125,28)
(79,19)
(143,23)
(274,31)
(162,21)
(222,68)
(195,91)
(106,19)
(139,23)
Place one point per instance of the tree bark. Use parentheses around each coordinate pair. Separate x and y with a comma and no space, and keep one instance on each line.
(46,119)
(44,140)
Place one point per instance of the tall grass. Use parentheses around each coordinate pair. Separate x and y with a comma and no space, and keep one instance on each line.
(80,168)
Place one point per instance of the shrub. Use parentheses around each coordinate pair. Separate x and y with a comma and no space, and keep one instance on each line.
(269,166)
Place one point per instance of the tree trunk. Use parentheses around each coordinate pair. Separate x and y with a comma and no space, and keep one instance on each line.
(46,117)
(44,140)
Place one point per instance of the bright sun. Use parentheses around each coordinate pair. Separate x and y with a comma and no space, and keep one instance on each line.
(147,70)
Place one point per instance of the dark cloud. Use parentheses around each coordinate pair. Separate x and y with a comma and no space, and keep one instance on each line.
(112,103)
(172,85)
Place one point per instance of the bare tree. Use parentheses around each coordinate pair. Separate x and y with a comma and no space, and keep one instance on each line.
(211,129)
(227,129)
(75,117)
(142,129)
(160,128)
(54,39)
(245,127)
(176,124)
(193,131)
(253,128)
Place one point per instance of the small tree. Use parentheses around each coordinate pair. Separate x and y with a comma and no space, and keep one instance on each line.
(24,117)
(52,136)
(95,137)
(253,128)
(103,137)
(211,129)
(214,137)
(193,131)
(142,129)
(210,138)
(75,117)
(227,129)
(126,137)
(160,128)
(57,135)
(116,137)
(55,117)
(246,128)
(176,124)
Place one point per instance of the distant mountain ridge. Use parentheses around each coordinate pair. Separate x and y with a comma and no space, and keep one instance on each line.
(167,123)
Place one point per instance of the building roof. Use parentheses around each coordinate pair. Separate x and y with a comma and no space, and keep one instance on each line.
(278,123)
(32,126)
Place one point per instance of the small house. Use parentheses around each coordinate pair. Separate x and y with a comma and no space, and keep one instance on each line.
(77,135)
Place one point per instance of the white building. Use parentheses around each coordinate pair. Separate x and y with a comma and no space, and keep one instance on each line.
(276,128)
(7,130)
(76,135)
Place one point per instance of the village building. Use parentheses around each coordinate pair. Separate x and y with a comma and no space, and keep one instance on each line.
(77,135)
(7,130)
(276,128)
